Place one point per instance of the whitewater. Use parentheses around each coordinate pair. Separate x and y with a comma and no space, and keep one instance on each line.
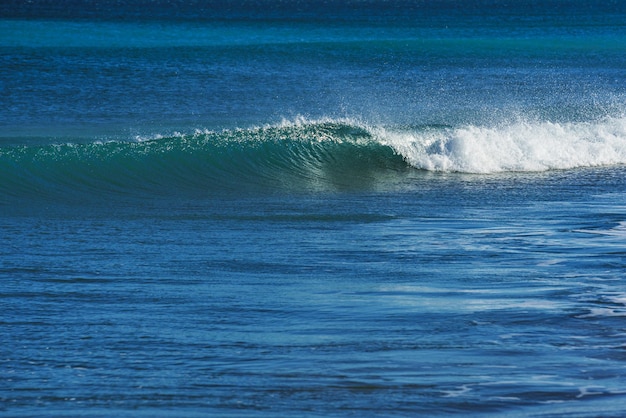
(519,146)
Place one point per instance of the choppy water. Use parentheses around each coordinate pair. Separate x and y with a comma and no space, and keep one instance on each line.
(305,209)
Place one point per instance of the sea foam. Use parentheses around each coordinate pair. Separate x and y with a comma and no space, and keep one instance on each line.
(516,147)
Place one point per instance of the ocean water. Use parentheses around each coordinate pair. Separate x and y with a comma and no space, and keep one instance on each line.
(313,208)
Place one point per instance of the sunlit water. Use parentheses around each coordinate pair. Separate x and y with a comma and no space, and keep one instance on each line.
(285,210)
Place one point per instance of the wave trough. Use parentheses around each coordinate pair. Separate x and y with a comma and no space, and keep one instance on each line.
(305,154)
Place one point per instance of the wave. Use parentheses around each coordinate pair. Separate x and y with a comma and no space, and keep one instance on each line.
(331,154)
(296,156)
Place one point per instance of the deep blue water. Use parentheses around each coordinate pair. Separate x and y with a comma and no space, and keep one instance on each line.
(316,208)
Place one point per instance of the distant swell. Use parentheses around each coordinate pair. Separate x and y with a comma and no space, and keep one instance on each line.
(306,155)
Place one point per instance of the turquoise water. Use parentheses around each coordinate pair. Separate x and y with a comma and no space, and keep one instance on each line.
(353,208)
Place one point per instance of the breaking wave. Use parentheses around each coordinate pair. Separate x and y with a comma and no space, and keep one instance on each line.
(306,154)
(517,147)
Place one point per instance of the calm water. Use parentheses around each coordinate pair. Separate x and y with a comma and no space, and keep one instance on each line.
(357,208)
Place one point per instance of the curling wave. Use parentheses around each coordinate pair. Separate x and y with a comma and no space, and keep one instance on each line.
(310,155)
(301,155)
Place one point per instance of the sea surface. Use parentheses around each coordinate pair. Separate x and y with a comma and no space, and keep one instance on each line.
(357,208)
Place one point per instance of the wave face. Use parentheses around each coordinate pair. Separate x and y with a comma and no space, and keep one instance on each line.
(295,156)
(307,156)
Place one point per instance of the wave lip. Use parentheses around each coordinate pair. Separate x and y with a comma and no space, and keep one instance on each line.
(518,147)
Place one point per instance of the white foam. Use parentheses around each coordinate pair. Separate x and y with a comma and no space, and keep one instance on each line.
(590,391)
(617,231)
(603,312)
(519,146)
